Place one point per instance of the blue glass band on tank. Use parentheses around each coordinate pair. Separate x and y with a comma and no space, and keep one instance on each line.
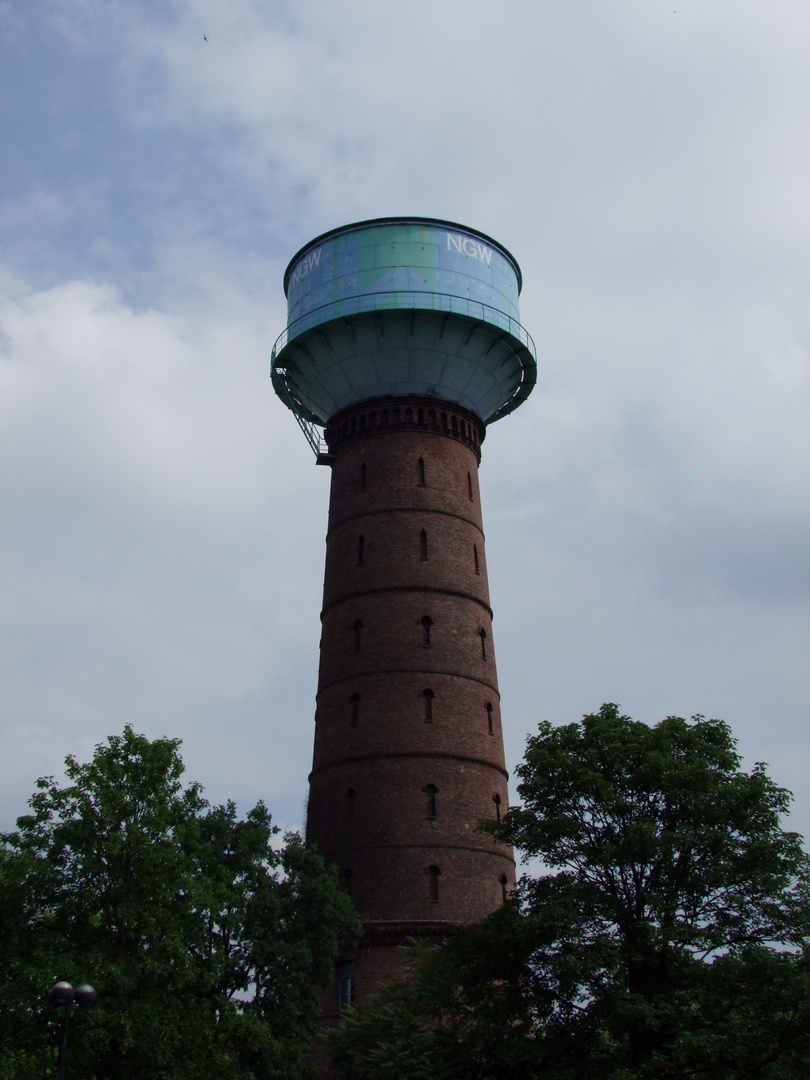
(402,306)
(402,255)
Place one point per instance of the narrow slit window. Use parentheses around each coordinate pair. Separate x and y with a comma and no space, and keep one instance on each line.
(427,622)
(428,695)
(363,476)
(354,701)
(504,882)
(420,472)
(475,559)
(423,546)
(351,804)
(347,881)
(345,985)
(483,635)
(469,486)
(497,800)
(358,634)
(361,549)
(489,717)
(434,873)
(431,791)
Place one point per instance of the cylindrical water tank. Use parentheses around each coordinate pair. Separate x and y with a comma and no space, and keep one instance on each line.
(403,306)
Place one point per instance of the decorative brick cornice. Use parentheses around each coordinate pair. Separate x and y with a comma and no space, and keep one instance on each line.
(422,511)
(355,676)
(397,933)
(378,416)
(358,593)
(340,762)
(494,852)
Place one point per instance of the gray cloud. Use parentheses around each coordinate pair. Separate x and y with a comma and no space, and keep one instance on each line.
(163,522)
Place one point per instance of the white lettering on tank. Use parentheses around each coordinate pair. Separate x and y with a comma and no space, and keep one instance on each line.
(307,265)
(473,248)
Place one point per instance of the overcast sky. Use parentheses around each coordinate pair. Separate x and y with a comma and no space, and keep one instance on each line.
(163,519)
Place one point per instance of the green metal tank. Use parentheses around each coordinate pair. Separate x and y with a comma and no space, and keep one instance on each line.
(402,306)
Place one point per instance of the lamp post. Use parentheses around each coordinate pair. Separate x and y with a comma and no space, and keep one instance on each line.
(62,993)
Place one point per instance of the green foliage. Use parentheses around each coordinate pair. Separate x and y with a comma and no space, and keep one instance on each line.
(461,1011)
(206,945)
(670,937)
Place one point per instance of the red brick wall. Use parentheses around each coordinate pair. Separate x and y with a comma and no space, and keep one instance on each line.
(376,747)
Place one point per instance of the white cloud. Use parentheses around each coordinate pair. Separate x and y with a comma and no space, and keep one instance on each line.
(147,571)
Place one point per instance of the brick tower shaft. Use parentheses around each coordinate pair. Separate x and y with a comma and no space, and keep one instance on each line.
(408,748)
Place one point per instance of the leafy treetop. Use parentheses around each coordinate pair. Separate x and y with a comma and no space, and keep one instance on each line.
(668,939)
(207,944)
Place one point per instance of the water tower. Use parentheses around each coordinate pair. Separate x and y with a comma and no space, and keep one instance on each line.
(403,343)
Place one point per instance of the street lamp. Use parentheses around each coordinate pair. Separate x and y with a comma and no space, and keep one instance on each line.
(62,993)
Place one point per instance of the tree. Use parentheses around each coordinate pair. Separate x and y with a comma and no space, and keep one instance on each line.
(669,937)
(206,945)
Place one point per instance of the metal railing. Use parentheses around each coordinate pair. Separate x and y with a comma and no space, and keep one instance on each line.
(402,300)
(312,432)
(405,300)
